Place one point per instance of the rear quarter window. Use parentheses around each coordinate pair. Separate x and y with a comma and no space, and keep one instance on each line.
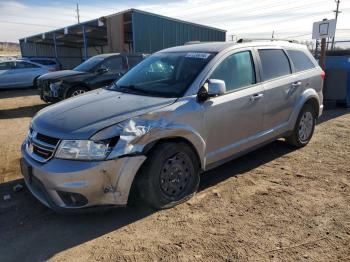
(300,60)
(275,63)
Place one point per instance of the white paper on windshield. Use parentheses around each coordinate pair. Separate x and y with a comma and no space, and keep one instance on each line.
(198,55)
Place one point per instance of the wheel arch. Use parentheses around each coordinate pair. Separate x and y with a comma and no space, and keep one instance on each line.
(308,97)
(82,84)
(176,139)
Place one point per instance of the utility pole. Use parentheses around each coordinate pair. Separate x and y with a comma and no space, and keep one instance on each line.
(78,15)
(336,19)
(273,34)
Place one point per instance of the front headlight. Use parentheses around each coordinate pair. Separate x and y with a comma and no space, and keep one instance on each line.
(82,150)
(55,86)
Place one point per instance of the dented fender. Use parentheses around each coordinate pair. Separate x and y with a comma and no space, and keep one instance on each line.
(137,133)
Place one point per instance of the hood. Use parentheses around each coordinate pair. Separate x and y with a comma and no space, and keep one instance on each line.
(81,117)
(61,75)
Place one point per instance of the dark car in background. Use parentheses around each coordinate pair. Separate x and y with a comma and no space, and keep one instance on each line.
(96,72)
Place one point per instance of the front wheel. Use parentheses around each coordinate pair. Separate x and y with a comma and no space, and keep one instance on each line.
(75,91)
(170,175)
(304,127)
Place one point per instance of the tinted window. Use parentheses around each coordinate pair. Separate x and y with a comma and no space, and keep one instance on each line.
(134,60)
(114,64)
(300,60)
(164,74)
(274,63)
(7,65)
(25,65)
(237,71)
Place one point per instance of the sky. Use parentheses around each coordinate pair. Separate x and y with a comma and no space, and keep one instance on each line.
(241,18)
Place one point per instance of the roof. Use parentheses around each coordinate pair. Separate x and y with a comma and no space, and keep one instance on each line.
(96,23)
(220,46)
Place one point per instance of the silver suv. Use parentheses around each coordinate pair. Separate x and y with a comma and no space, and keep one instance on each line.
(181,111)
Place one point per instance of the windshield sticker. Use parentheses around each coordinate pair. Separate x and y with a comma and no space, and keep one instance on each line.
(198,55)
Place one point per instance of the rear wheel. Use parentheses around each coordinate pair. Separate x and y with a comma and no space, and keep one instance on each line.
(304,127)
(75,91)
(170,175)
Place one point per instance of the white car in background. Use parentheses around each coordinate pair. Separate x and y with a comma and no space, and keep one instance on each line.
(20,73)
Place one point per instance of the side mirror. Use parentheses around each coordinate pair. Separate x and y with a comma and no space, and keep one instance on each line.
(212,88)
(102,71)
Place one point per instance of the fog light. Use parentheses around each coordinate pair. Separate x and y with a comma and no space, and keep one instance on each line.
(73,199)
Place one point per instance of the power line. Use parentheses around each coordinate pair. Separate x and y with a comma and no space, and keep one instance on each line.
(28,24)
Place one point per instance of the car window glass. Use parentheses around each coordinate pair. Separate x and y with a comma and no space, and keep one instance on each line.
(133,60)
(164,74)
(274,63)
(25,65)
(300,60)
(7,65)
(237,71)
(114,64)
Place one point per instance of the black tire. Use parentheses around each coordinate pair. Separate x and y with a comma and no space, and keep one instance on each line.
(169,176)
(35,84)
(296,139)
(74,90)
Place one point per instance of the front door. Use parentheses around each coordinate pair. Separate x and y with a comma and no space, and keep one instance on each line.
(115,70)
(233,121)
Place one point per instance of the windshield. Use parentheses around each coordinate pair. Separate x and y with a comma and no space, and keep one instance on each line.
(89,64)
(164,74)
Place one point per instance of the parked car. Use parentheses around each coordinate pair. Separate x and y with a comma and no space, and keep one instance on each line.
(19,73)
(179,112)
(96,72)
(52,63)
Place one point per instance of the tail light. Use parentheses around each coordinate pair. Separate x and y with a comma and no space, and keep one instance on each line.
(323,75)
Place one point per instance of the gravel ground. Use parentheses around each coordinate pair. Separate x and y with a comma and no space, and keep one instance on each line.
(274,204)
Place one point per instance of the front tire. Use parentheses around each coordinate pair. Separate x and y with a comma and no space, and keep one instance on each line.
(170,175)
(304,127)
(75,91)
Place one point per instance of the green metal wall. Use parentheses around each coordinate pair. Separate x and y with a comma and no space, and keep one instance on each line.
(152,33)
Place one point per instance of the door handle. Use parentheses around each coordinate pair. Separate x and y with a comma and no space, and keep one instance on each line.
(296,84)
(256,97)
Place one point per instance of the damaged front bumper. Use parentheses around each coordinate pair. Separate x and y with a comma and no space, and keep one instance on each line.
(70,184)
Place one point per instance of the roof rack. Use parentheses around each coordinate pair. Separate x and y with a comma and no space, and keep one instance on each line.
(244,40)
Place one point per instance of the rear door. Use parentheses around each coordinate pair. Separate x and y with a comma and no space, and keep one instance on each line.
(234,120)
(6,77)
(279,85)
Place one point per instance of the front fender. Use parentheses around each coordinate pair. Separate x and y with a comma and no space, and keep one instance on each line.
(136,134)
(306,96)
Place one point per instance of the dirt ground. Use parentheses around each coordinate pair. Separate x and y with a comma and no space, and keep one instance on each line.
(275,204)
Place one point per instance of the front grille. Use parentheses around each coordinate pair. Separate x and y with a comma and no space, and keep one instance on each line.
(41,147)
(47,139)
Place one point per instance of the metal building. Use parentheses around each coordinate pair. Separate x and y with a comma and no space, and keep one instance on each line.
(130,30)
